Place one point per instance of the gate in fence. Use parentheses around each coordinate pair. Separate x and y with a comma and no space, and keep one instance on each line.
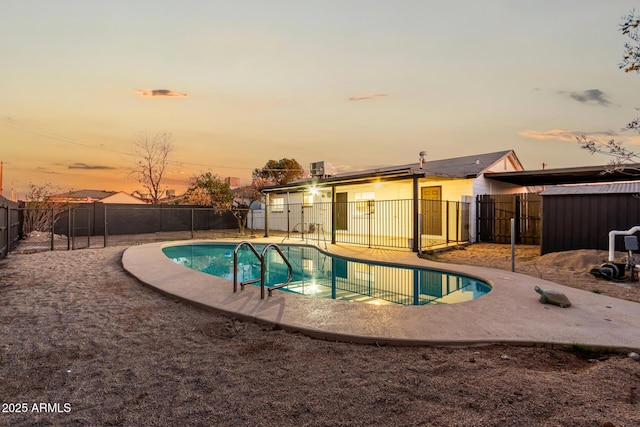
(494,213)
(80,229)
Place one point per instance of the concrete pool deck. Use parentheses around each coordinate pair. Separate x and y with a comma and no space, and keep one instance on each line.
(510,313)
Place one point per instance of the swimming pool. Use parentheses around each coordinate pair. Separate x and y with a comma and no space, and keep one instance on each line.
(328,276)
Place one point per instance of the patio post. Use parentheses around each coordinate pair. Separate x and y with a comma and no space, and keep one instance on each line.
(333,214)
(416,212)
(266,215)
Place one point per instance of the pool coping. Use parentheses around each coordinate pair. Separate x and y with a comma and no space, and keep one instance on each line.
(511,313)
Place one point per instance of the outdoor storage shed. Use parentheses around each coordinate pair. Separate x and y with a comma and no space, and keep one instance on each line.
(581,216)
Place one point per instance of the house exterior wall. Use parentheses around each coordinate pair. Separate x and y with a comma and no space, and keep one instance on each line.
(389,215)
(387,207)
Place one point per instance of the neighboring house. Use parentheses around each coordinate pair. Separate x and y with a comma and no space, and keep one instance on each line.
(91,196)
(421,205)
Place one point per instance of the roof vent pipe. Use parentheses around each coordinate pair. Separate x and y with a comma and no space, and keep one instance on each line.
(422,156)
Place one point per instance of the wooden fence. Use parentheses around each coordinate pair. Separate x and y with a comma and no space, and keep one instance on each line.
(494,213)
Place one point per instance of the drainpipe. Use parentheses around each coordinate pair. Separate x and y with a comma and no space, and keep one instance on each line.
(612,239)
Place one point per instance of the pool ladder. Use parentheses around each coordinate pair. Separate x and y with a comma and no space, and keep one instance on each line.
(263,268)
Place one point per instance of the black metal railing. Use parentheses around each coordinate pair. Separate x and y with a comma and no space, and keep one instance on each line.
(374,223)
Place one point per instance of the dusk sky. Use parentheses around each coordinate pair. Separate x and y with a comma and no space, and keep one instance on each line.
(355,83)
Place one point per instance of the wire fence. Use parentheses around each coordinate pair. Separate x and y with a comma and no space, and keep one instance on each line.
(101,225)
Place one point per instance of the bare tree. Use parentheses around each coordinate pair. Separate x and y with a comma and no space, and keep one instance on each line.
(41,212)
(153,150)
(623,159)
(631,56)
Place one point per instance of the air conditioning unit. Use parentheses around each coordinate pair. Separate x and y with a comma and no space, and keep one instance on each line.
(321,169)
(317,169)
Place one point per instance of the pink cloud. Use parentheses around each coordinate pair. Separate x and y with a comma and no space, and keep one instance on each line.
(160,93)
(572,135)
(367,96)
(561,134)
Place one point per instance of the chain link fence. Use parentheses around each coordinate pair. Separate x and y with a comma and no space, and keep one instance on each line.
(100,225)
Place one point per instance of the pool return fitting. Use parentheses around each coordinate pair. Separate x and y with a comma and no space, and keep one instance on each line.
(263,268)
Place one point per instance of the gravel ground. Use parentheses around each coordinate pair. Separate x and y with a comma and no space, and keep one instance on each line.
(83,343)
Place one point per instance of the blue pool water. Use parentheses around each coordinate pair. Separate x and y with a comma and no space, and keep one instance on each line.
(328,276)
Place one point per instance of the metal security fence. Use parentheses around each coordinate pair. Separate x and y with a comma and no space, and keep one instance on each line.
(373,223)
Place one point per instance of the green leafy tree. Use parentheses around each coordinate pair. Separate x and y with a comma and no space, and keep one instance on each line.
(208,189)
(622,157)
(278,172)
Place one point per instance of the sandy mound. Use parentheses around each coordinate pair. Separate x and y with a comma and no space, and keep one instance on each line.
(580,260)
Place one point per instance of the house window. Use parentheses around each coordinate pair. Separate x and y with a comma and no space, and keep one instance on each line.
(308,201)
(277,204)
(365,203)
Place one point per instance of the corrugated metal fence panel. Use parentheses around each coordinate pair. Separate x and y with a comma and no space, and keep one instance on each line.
(583,221)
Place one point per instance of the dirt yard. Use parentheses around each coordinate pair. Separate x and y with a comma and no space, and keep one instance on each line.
(570,268)
(83,343)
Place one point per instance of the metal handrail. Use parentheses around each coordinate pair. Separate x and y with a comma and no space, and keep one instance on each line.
(263,268)
(235,265)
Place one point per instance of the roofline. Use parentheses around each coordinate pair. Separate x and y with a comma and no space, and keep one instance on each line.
(351,179)
(572,175)
(388,173)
